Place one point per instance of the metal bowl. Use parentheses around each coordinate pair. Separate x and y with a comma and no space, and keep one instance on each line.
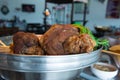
(34,67)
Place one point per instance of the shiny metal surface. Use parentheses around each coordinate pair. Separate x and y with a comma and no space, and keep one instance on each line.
(63,75)
(34,67)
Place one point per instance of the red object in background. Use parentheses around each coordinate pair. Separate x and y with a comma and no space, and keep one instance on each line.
(117,33)
(112,10)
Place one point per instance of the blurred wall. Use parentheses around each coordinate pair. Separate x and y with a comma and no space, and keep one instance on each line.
(37,16)
(96,15)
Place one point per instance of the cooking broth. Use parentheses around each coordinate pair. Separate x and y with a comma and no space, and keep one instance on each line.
(104,67)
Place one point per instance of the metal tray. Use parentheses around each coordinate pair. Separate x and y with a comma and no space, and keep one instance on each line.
(64,67)
(34,67)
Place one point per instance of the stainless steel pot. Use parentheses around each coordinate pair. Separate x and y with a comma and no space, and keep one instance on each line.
(34,67)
